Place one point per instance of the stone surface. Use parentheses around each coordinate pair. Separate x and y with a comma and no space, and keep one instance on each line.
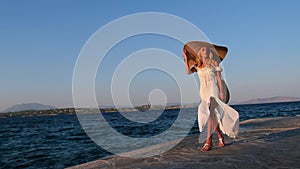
(262,143)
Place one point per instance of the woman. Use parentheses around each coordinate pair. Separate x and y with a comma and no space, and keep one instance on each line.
(212,110)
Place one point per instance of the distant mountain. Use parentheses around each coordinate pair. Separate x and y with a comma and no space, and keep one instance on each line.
(28,106)
(271,100)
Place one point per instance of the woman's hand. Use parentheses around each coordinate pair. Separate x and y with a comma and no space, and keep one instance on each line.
(184,55)
(188,71)
(222,96)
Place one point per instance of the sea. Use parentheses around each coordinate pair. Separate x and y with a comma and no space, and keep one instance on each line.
(60,141)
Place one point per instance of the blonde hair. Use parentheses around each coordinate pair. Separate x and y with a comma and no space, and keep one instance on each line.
(210,63)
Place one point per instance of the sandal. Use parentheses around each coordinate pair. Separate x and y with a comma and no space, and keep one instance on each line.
(206,147)
(221,142)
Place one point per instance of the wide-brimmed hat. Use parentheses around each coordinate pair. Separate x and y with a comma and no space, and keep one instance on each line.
(191,49)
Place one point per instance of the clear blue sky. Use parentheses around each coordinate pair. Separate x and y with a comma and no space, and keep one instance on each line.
(40,42)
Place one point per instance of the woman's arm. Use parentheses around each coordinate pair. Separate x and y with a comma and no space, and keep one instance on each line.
(219,81)
(188,71)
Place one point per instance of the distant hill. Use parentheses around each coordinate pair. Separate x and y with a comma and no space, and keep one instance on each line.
(271,100)
(28,106)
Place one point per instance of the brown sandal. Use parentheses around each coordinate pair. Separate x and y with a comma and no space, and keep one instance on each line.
(206,147)
(221,142)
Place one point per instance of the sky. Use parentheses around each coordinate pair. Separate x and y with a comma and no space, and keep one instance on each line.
(40,42)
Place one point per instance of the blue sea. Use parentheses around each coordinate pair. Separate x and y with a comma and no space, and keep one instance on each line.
(59,141)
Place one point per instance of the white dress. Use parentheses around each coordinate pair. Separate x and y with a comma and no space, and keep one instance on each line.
(223,114)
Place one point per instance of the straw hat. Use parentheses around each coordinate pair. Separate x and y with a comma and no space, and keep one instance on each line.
(191,49)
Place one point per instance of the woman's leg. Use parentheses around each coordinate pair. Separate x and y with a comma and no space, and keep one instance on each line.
(208,144)
(213,124)
(209,132)
(218,131)
(221,139)
(217,127)
(210,126)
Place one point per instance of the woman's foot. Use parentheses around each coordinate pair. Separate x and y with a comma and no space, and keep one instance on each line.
(206,147)
(221,142)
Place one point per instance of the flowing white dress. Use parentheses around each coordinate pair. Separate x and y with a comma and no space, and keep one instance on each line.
(223,115)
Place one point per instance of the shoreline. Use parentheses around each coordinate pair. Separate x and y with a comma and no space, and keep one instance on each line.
(141,108)
(262,143)
(66,111)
